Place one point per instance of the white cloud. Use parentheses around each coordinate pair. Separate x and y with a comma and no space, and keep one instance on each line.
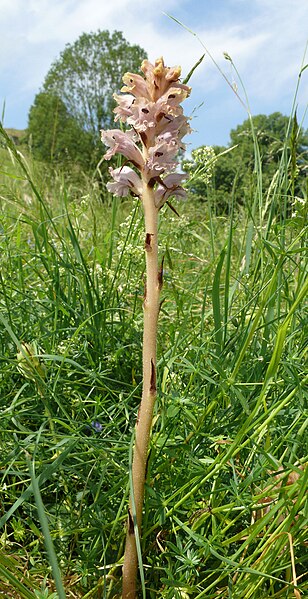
(267,50)
(266,40)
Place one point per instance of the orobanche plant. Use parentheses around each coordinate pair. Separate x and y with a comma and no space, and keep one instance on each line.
(151,106)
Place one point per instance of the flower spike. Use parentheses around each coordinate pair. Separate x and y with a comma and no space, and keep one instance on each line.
(151,107)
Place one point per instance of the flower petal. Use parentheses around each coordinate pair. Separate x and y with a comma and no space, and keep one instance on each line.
(125,181)
(161,157)
(123,110)
(136,85)
(170,101)
(169,186)
(143,115)
(119,141)
(161,78)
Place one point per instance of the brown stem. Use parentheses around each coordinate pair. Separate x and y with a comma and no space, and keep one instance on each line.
(145,414)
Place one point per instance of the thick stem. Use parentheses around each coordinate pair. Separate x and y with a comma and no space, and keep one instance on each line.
(145,414)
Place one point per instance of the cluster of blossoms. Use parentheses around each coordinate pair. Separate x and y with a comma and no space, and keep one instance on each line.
(201,165)
(150,105)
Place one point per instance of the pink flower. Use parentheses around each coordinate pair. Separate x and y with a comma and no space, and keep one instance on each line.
(143,115)
(120,142)
(161,157)
(125,181)
(136,85)
(169,102)
(123,110)
(173,128)
(151,106)
(161,78)
(169,186)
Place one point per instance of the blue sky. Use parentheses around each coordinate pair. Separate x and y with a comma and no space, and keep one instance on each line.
(265,38)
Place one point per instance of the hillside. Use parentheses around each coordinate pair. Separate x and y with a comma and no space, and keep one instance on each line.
(16,135)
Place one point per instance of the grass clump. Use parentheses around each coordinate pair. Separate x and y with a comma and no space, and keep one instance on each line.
(225,513)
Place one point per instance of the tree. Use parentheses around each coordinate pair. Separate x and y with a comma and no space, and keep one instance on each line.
(55,134)
(272,132)
(77,96)
(234,171)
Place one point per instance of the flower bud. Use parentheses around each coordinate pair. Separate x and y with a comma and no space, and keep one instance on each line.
(28,363)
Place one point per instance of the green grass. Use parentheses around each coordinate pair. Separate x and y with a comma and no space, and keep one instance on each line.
(232,392)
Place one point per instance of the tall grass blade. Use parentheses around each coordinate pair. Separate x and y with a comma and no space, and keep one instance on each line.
(46,532)
(216,300)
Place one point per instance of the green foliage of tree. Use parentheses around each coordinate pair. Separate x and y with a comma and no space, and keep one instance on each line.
(272,131)
(76,99)
(55,134)
(234,172)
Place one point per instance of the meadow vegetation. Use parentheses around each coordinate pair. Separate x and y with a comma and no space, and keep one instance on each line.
(225,513)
